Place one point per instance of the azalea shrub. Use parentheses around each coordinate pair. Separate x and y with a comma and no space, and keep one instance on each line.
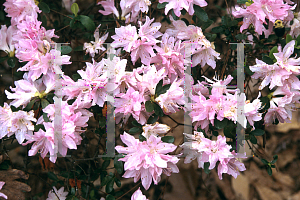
(84,73)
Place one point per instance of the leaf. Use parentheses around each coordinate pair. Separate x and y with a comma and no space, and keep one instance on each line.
(158,86)
(44,103)
(267,60)
(11,62)
(75,9)
(288,38)
(257,132)
(38,127)
(200,13)
(135,123)
(242,1)
(161,5)
(44,7)
(275,159)
(168,139)
(15,190)
(173,15)
(152,119)
(230,130)
(149,106)
(158,110)
(118,165)
(52,176)
(248,71)
(298,39)
(241,36)
(73,191)
(110,197)
(105,164)
(65,50)
(142,138)
(45,117)
(135,130)
(217,29)
(5,165)
(220,124)
(29,105)
(253,139)
(163,89)
(2,59)
(206,166)
(264,161)
(269,169)
(79,48)
(76,77)
(216,133)
(118,182)
(86,22)
(110,186)
(273,50)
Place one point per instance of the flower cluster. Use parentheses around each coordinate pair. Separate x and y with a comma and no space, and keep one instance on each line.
(147,160)
(204,150)
(258,11)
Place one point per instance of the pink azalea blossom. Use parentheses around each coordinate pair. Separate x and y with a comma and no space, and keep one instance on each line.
(126,36)
(136,5)
(177,6)
(19,9)
(149,32)
(138,195)
(1,194)
(97,45)
(57,194)
(148,159)
(156,129)
(5,119)
(6,40)
(109,8)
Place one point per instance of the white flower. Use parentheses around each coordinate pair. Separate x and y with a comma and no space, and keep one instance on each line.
(94,46)
(6,40)
(155,130)
(58,195)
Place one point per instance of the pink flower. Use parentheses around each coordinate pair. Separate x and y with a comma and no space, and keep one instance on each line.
(147,160)
(6,40)
(109,8)
(57,194)
(171,100)
(149,32)
(126,36)
(97,45)
(176,5)
(201,3)
(156,129)
(138,195)
(5,119)
(136,5)
(1,194)
(19,9)
(231,166)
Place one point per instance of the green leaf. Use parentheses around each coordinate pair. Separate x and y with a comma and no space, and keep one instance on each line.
(230,130)
(38,127)
(44,103)
(52,176)
(75,9)
(44,7)
(73,191)
(65,50)
(118,165)
(5,165)
(288,38)
(163,89)
(220,124)
(273,50)
(135,123)
(110,197)
(269,169)
(118,182)
(216,133)
(11,62)
(135,130)
(2,59)
(152,119)
(275,159)
(267,60)
(264,161)
(79,48)
(168,139)
(45,117)
(242,1)
(158,86)
(142,138)
(241,36)
(29,105)
(217,29)
(149,106)
(206,166)
(257,132)
(76,77)
(158,110)
(253,139)
(248,71)
(161,5)
(44,21)
(110,186)
(200,13)
(173,15)
(298,39)
(86,22)
(105,164)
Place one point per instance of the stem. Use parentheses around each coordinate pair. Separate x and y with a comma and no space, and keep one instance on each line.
(129,191)
(61,13)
